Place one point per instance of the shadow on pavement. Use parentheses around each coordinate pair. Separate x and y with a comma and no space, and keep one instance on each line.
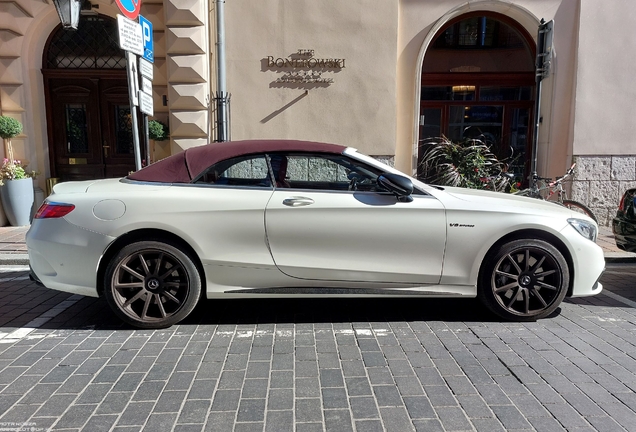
(323,310)
(89,313)
(92,313)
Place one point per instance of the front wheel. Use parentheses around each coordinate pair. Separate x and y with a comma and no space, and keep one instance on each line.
(579,208)
(151,284)
(523,280)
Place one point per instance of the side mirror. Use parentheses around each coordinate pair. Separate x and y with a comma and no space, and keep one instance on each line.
(399,185)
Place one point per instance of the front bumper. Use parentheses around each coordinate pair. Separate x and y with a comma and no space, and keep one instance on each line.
(65,257)
(588,264)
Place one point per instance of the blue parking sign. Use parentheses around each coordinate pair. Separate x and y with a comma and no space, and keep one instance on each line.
(146,31)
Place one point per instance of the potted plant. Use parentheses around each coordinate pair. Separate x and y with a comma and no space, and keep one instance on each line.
(157,131)
(16,186)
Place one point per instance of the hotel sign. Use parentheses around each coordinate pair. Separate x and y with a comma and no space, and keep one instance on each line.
(303,68)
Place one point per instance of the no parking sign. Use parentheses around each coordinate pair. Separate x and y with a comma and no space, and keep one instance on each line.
(130,8)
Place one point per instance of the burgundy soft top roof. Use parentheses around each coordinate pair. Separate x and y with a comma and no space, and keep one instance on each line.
(187,165)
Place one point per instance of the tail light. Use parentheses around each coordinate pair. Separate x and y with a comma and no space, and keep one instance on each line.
(621,206)
(626,205)
(52,210)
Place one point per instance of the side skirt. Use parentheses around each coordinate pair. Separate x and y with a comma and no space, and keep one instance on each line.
(438,291)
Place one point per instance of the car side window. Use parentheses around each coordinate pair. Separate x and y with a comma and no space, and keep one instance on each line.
(323,172)
(249,171)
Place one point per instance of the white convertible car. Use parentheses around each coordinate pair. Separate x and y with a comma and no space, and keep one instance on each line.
(274,218)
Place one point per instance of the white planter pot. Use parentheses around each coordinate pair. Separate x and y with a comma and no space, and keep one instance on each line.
(3,216)
(17,200)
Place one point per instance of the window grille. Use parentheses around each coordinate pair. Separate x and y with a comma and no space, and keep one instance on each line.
(94,45)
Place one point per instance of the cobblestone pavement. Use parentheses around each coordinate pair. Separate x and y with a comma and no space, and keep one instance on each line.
(67,364)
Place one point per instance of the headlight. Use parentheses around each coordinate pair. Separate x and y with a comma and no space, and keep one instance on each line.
(585,228)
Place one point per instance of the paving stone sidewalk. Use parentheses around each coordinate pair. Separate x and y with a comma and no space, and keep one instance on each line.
(66,364)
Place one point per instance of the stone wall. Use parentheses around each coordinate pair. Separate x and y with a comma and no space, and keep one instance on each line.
(387,160)
(600,181)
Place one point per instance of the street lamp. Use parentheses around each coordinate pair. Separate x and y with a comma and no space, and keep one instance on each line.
(69,12)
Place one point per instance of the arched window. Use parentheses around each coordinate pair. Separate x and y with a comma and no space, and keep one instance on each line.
(94,45)
(478,82)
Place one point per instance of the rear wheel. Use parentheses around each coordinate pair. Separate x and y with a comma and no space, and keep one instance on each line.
(524,280)
(151,284)
(579,208)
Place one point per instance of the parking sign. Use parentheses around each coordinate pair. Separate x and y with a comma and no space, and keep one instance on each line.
(146,29)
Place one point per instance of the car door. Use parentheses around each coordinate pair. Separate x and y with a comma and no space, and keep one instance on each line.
(228,202)
(328,220)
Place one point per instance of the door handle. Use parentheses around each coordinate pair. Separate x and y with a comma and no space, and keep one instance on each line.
(105,146)
(297,201)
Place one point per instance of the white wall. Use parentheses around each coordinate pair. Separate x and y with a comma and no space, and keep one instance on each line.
(605,92)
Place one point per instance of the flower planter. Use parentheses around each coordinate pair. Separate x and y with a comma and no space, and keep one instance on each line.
(17,200)
(3,217)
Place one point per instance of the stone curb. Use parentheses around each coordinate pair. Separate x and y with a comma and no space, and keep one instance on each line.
(14,259)
(616,257)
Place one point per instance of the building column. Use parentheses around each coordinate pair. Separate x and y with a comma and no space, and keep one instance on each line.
(187,59)
(15,17)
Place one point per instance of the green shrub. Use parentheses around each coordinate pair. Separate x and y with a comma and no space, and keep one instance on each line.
(158,131)
(9,127)
(469,163)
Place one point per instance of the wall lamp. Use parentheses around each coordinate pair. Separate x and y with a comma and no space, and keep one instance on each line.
(69,12)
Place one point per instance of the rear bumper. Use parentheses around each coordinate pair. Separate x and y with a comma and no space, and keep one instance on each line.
(624,234)
(65,257)
(33,277)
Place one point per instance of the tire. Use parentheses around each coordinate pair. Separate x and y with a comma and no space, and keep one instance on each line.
(151,284)
(523,280)
(579,208)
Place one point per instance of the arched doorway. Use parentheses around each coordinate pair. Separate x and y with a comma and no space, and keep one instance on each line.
(478,82)
(87,104)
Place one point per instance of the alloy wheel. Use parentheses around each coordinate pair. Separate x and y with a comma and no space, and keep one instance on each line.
(150,285)
(527,281)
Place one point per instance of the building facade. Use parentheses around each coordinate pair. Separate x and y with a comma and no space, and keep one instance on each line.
(378,75)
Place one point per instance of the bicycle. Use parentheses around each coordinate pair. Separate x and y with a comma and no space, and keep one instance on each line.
(545,188)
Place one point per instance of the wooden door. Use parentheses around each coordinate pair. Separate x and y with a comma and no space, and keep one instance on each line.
(90,134)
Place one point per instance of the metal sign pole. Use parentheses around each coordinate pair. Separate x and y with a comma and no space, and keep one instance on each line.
(131,63)
(221,99)
(146,140)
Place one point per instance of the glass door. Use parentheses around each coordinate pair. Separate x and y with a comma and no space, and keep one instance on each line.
(483,122)
(497,115)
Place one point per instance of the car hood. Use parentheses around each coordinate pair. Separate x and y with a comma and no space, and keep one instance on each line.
(492,200)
